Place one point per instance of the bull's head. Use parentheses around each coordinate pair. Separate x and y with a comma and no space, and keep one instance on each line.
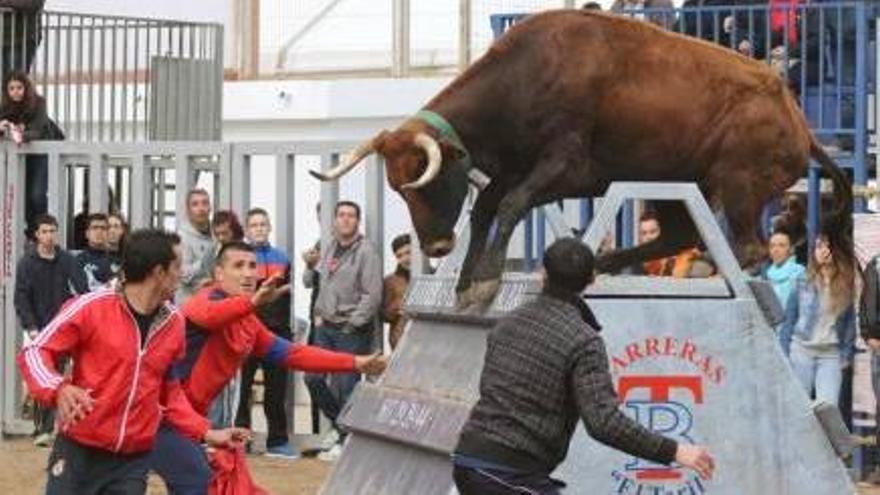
(426,172)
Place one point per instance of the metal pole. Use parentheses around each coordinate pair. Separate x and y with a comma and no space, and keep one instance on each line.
(464,33)
(400,38)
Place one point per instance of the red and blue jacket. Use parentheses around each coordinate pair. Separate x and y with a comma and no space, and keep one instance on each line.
(223,331)
(273,261)
(131,381)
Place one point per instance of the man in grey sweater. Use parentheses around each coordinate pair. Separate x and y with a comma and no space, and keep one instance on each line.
(545,367)
(350,277)
(196,242)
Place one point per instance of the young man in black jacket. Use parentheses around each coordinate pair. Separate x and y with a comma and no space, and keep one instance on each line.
(547,358)
(94,260)
(45,278)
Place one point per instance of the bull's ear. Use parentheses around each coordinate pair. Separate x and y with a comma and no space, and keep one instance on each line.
(450,151)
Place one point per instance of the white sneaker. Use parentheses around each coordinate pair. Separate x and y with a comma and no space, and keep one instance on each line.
(329,439)
(331,455)
(43,440)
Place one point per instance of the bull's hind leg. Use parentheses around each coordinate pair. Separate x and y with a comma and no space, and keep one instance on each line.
(742,202)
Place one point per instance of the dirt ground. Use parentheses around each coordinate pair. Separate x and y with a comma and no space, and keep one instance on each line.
(22,472)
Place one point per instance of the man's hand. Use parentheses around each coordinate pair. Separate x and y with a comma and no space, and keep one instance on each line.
(374,364)
(227,438)
(270,290)
(874,344)
(311,257)
(697,458)
(74,404)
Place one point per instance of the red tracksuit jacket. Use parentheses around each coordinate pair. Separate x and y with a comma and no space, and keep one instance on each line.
(223,331)
(130,384)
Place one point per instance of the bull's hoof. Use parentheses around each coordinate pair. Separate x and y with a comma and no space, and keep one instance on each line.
(483,292)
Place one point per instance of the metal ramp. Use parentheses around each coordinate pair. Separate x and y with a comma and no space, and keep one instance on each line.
(694,359)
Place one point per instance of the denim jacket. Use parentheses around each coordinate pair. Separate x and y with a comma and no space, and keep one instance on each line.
(802,313)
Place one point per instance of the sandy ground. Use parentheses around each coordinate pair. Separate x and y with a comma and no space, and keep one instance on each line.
(22,472)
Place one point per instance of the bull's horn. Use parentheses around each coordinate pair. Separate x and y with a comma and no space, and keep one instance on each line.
(435,161)
(363,150)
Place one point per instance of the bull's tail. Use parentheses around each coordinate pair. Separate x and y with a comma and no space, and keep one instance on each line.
(837,225)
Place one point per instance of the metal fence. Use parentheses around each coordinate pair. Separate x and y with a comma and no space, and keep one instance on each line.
(110,78)
(146,181)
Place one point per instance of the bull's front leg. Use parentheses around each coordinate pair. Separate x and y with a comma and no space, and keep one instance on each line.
(482,217)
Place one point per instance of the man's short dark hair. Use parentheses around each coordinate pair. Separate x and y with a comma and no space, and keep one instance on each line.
(649,216)
(146,249)
(44,219)
(352,204)
(400,241)
(591,6)
(569,265)
(196,192)
(95,217)
(254,212)
(783,230)
(233,246)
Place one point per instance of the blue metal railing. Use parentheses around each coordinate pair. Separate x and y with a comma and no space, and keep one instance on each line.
(822,49)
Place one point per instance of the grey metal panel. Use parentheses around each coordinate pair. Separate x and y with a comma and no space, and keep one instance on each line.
(183,182)
(170,100)
(97,183)
(57,194)
(708,334)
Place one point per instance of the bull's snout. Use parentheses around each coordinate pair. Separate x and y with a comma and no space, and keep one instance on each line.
(440,248)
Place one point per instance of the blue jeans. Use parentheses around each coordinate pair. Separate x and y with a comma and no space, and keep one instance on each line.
(875,384)
(180,462)
(818,370)
(331,393)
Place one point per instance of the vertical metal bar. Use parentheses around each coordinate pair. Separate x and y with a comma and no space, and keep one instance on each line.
(803,57)
(103,50)
(56,100)
(540,235)
(97,183)
(90,104)
(191,70)
(821,124)
(166,89)
(464,33)
(374,175)
(182,183)
(217,115)
(124,102)
(67,90)
(149,111)
(140,192)
(13,53)
(586,213)
(136,81)
(528,240)
(112,121)
(13,206)
(46,43)
(860,142)
(79,79)
(329,197)
(838,66)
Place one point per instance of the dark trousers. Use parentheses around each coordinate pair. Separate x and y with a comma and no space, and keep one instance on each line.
(275,392)
(494,482)
(44,419)
(36,180)
(332,392)
(75,469)
(180,462)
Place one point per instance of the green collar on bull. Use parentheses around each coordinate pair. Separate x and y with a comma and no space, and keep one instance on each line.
(446,130)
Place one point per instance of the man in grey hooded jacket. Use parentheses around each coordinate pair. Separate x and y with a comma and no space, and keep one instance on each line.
(196,241)
(350,276)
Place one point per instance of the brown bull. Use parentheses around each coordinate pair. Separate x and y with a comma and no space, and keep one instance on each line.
(567,102)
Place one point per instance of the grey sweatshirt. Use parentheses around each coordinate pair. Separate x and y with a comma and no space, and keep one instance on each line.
(195,246)
(351,286)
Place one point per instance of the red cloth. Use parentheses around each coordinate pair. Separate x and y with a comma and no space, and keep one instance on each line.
(782,13)
(230,475)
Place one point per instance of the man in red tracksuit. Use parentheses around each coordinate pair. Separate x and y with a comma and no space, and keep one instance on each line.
(222,332)
(123,342)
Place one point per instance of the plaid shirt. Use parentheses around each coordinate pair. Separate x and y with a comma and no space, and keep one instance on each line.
(545,367)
